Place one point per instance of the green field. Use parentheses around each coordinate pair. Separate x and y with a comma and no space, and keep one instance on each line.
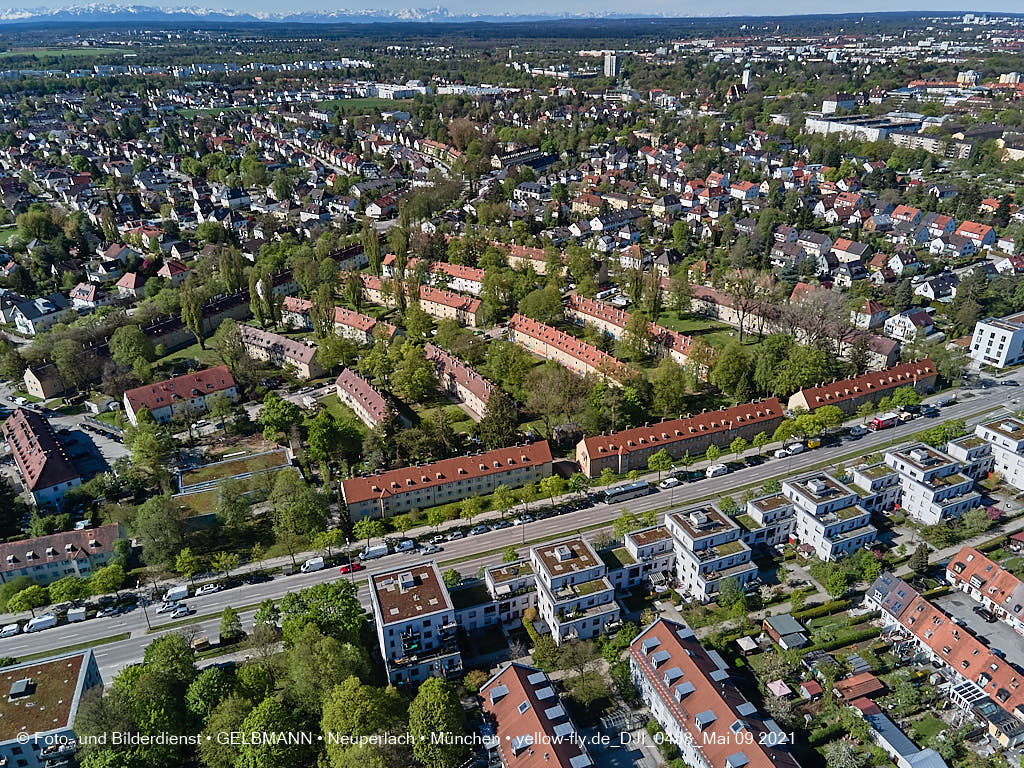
(69,50)
(241,466)
(714,333)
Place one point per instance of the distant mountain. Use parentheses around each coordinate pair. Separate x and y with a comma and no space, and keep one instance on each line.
(105,13)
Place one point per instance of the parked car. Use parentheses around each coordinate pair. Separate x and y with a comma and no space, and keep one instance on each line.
(858,430)
(523,520)
(501,525)
(478,529)
(1008,383)
(351,567)
(112,610)
(794,449)
(456,535)
(438,539)
(669,482)
(180,611)
(716,470)
(781,453)
(430,549)
(168,607)
(985,614)
(207,589)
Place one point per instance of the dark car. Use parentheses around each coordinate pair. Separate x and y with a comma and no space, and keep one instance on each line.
(259,578)
(755,461)
(985,614)
(1008,383)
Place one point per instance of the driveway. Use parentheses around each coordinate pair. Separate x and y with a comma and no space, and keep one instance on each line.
(997,635)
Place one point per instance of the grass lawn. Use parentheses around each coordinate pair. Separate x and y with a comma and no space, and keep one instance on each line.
(202,503)
(109,417)
(205,357)
(927,728)
(7,231)
(712,332)
(232,467)
(342,412)
(71,50)
(368,103)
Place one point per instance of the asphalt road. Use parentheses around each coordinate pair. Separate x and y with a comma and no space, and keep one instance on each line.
(471,552)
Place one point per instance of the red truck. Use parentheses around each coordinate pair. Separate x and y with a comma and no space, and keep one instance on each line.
(884,421)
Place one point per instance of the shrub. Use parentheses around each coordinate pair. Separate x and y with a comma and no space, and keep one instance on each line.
(825,609)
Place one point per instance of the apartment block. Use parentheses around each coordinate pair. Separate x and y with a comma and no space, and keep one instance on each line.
(513,587)
(689,692)
(932,486)
(436,302)
(1006,438)
(768,520)
(415,621)
(631,448)
(281,351)
(988,583)
(830,523)
(877,486)
(709,549)
(574,596)
(188,393)
(43,465)
(612,321)
(360,395)
(552,344)
(46,559)
(428,485)
(974,455)
(459,380)
(850,394)
(998,341)
(646,558)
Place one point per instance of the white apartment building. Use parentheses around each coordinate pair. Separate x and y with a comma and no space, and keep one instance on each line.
(415,620)
(513,587)
(709,549)
(830,523)
(932,487)
(574,596)
(768,520)
(974,454)
(998,341)
(646,557)
(877,485)
(1006,437)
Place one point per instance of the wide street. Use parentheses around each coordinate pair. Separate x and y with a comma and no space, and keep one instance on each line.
(467,555)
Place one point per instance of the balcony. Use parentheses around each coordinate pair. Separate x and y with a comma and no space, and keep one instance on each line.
(583,589)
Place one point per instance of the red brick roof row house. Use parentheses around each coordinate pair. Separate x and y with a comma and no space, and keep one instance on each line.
(553,344)
(459,379)
(165,398)
(631,448)
(848,394)
(613,320)
(44,465)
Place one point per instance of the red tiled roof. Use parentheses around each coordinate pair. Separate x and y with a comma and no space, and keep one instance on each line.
(362,391)
(874,381)
(131,280)
(570,345)
(396,481)
(432,295)
(59,547)
(172,268)
(694,689)
(856,686)
(41,458)
(449,365)
(619,318)
(668,432)
(169,391)
(997,584)
(532,727)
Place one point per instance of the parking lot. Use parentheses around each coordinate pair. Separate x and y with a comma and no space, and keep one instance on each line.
(996,635)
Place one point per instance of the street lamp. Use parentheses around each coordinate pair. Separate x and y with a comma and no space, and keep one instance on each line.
(145,610)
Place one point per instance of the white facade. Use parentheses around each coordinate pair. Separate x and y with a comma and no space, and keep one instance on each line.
(574,596)
(998,342)
(830,523)
(709,549)
(1006,438)
(932,486)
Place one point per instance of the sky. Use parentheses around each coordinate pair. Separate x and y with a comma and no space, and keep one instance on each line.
(677,8)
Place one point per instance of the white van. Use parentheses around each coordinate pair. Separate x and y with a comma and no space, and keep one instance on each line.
(313,564)
(41,622)
(176,593)
(405,545)
(374,551)
(10,630)
(76,614)
(716,470)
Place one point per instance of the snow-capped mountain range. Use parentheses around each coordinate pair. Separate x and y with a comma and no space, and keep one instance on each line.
(105,12)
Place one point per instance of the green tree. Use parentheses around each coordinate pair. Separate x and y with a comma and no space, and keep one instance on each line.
(28,599)
(659,462)
(918,562)
(224,562)
(551,486)
(368,528)
(578,483)
(836,583)
(499,426)
(452,578)
(761,439)
(230,624)
(208,690)
(68,589)
(109,578)
(192,309)
(625,523)
(271,716)
(713,453)
(187,564)
(159,526)
(129,344)
(509,555)
(278,416)
(738,446)
(502,499)
(436,709)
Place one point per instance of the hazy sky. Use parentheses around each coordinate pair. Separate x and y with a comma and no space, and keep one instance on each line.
(660,7)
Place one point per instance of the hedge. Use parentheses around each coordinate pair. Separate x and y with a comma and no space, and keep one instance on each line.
(826,734)
(936,592)
(825,609)
(841,642)
(988,546)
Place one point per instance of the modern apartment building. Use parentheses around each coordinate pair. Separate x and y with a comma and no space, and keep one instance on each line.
(513,587)
(574,596)
(1006,438)
(830,522)
(932,487)
(998,341)
(709,549)
(768,520)
(415,621)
